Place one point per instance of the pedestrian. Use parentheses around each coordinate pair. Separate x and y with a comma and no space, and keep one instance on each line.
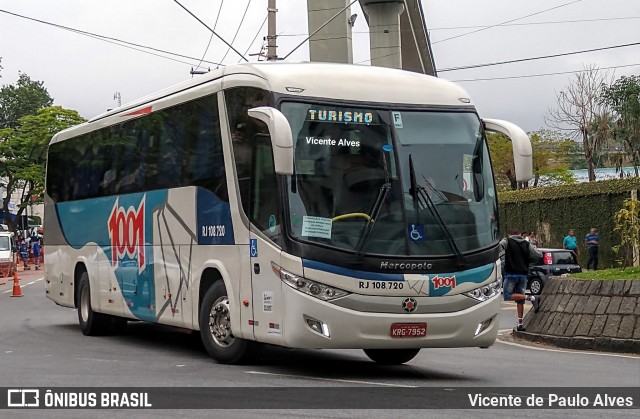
(518,252)
(36,253)
(24,254)
(570,242)
(592,240)
(532,238)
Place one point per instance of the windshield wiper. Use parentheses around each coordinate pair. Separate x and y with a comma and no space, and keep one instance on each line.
(377,206)
(419,191)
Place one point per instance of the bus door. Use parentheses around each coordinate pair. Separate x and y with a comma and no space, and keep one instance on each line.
(265,220)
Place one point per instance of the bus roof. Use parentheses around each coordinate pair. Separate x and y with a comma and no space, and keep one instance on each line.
(322,80)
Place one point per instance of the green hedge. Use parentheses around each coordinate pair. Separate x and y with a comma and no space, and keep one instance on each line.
(552,211)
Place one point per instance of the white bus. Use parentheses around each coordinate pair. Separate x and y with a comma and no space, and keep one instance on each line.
(303,205)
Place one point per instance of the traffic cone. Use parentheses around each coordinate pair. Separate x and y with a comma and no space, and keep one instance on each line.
(17,292)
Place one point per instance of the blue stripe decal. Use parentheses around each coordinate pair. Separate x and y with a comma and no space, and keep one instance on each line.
(373,276)
(122,226)
(214,219)
(442,284)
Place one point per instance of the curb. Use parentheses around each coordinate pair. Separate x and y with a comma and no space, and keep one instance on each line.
(585,343)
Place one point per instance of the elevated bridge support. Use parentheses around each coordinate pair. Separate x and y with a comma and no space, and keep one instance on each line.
(398,33)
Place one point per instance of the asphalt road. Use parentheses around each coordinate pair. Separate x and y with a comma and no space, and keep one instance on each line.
(42,346)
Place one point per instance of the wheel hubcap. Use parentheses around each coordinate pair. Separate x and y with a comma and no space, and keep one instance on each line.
(535,287)
(220,322)
(84,304)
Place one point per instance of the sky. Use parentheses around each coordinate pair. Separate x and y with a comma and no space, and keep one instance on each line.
(84,73)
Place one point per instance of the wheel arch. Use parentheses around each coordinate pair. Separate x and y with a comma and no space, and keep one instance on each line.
(209,276)
(78,270)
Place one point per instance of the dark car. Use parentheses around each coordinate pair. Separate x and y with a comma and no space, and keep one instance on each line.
(552,262)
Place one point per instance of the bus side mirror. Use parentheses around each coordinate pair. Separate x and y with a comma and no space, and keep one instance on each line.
(281,138)
(522,154)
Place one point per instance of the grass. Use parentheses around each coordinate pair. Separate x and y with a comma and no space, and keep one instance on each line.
(614,273)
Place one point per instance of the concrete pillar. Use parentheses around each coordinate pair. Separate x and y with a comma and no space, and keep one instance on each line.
(333,42)
(384,31)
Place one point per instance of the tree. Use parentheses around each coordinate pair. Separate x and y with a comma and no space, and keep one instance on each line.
(504,172)
(550,162)
(550,159)
(627,224)
(578,107)
(23,154)
(623,97)
(22,99)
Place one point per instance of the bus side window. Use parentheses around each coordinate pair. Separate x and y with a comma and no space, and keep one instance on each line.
(253,158)
(203,159)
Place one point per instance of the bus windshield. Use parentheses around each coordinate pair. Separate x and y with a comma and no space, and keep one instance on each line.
(406,183)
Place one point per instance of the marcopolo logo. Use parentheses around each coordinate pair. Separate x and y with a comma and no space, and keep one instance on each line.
(444,282)
(126,231)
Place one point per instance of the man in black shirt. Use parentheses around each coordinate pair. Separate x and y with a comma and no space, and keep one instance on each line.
(517,254)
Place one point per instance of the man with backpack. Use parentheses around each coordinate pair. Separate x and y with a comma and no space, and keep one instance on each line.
(517,254)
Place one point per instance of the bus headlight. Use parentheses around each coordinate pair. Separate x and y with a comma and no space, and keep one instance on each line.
(485,292)
(313,288)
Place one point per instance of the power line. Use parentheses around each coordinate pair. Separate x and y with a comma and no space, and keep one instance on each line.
(319,29)
(257,33)
(508,21)
(517,60)
(543,74)
(212,31)
(115,41)
(537,58)
(480,26)
(236,34)
(551,22)
(211,37)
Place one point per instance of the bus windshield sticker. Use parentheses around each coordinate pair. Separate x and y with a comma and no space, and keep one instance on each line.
(316,227)
(416,232)
(397,119)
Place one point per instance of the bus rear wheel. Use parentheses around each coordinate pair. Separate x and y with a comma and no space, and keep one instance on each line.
(391,356)
(91,323)
(215,327)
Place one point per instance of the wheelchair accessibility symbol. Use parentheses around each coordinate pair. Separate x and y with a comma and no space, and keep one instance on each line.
(253,248)
(416,232)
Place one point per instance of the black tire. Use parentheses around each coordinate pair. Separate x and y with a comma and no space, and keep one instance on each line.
(91,323)
(215,327)
(391,356)
(536,285)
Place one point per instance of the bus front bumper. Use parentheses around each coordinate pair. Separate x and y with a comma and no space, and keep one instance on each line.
(312,323)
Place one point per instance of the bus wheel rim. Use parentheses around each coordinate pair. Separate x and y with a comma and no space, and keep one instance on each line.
(84,305)
(220,322)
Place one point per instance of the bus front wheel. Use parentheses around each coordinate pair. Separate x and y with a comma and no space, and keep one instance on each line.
(91,323)
(391,356)
(215,327)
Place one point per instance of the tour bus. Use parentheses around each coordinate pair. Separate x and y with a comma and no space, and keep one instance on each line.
(306,205)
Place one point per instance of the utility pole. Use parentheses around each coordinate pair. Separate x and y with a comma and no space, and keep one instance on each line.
(116,96)
(271,35)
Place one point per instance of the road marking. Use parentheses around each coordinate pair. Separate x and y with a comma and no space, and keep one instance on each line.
(25,285)
(566,351)
(331,379)
(98,359)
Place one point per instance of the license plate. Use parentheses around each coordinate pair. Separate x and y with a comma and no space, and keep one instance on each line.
(408,330)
